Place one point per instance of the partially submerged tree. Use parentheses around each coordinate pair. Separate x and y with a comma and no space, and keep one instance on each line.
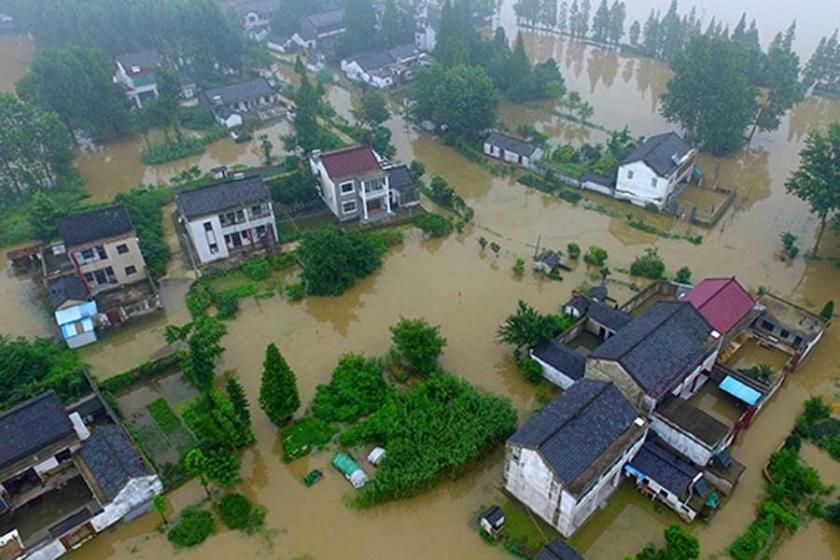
(419,344)
(817,181)
(279,396)
(527,327)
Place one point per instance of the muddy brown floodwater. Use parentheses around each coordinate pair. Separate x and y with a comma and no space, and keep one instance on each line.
(452,284)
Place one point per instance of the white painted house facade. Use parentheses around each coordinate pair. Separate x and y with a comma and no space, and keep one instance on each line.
(353,183)
(136,73)
(655,170)
(561,465)
(227,218)
(512,150)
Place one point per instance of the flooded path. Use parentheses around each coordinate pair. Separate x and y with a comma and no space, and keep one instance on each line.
(15,54)
(451,283)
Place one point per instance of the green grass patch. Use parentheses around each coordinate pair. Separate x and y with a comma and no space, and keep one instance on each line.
(164,416)
(304,435)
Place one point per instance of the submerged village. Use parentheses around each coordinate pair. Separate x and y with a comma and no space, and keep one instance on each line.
(525,279)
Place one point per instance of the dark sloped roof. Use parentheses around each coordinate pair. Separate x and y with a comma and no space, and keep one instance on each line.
(511,144)
(598,293)
(562,358)
(661,152)
(659,346)
(551,259)
(373,60)
(400,178)
(327,21)
(144,59)
(692,420)
(665,468)
(493,515)
(610,317)
(588,177)
(579,302)
(239,92)
(31,426)
(112,460)
(402,52)
(577,428)
(558,550)
(349,161)
(67,288)
(94,225)
(221,196)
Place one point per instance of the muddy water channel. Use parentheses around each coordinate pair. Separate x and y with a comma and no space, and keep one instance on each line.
(451,283)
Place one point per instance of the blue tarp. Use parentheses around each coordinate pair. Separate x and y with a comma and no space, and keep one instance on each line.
(740,390)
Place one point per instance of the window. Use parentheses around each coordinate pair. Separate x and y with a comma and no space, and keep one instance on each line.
(629,173)
(87,254)
(785,334)
(260,231)
(88,277)
(347,188)
(122,249)
(208,226)
(256,211)
(101,252)
(767,325)
(653,182)
(129,270)
(214,248)
(349,206)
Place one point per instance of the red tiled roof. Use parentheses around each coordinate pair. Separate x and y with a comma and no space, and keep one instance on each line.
(723,302)
(349,161)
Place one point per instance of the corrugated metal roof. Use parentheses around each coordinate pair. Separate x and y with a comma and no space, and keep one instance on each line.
(740,390)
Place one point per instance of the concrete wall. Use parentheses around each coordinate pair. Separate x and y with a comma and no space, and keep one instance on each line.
(553,374)
(118,262)
(639,188)
(530,481)
(605,370)
(662,494)
(136,494)
(685,443)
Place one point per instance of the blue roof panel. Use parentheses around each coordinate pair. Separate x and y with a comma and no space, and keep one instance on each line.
(740,390)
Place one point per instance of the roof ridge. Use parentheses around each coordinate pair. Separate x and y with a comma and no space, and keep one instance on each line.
(578,409)
(657,324)
(345,149)
(28,402)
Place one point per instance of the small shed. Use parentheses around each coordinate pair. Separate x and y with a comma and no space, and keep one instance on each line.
(492,521)
(376,456)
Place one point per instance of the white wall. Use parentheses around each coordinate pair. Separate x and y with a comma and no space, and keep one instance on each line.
(328,188)
(553,374)
(531,481)
(199,239)
(136,493)
(683,442)
(667,498)
(639,189)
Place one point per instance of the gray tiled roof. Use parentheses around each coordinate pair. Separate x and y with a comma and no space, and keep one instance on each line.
(665,468)
(401,180)
(562,358)
(112,460)
(373,60)
(213,199)
(402,52)
(577,428)
(551,259)
(659,346)
(95,225)
(660,152)
(692,420)
(612,318)
(327,21)
(511,144)
(67,288)
(558,550)
(144,59)
(589,177)
(239,92)
(31,426)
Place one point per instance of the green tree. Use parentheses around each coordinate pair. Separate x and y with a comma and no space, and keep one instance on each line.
(160,504)
(203,349)
(333,258)
(236,394)
(683,275)
(279,397)
(781,86)
(215,422)
(452,45)
(817,180)
(635,32)
(76,83)
(44,217)
(266,146)
(397,25)
(828,310)
(222,466)
(527,327)
(360,22)
(419,344)
(374,108)
(466,101)
(601,23)
(649,265)
(195,462)
(711,95)
(618,12)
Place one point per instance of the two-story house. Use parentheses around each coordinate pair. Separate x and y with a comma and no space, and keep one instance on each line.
(654,171)
(103,248)
(566,461)
(66,474)
(320,31)
(352,183)
(136,72)
(227,218)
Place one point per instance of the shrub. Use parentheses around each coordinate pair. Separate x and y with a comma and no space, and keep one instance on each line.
(683,275)
(752,542)
(495,247)
(304,435)
(532,371)
(418,344)
(573,249)
(483,242)
(227,306)
(199,298)
(789,243)
(237,512)
(256,269)
(519,266)
(296,291)
(434,225)
(193,528)
(761,373)
(355,390)
(595,256)
(828,310)
(650,265)
(333,258)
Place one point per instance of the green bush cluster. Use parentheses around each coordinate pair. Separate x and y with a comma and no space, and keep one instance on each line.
(596,256)
(434,225)
(817,425)
(649,265)
(256,269)
(304,435)
(532,371)
(237,512)
(196,118)
(215,422)
(295,291)
(163,415)
(430,433)
(550,186)
(356,389)
(193,528)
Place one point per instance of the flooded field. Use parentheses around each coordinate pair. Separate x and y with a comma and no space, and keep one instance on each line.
(451,283)
(15,53)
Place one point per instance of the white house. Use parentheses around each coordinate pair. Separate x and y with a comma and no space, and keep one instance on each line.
(513,150)
(232,103)
(353,183)
(320,31)
(227,218)
(655,170)
(566,461)
(427,17)
(384,69)
(560,364)
(136,73)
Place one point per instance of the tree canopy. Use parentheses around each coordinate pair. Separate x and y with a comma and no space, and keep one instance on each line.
(279,396)
(419,344)
(333,258)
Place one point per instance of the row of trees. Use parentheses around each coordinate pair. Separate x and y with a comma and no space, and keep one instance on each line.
(823,69)
(36,151)
(573,18)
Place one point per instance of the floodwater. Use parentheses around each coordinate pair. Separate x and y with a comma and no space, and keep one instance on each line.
(451,283)
(15,53)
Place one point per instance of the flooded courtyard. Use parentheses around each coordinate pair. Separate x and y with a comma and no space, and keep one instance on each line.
(469,293)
